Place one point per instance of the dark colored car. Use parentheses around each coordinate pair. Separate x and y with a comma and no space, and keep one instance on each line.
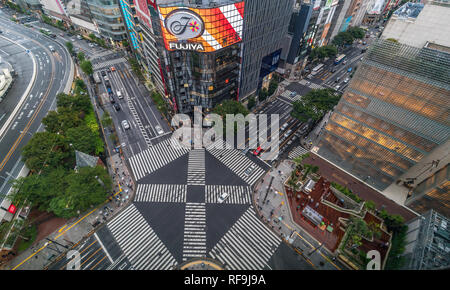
(116,106)
(103,73)
(111,99)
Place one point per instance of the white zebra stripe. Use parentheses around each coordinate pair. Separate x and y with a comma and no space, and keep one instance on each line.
(139,242)
(238,194)
(161,193)
(156,157)
(248,245)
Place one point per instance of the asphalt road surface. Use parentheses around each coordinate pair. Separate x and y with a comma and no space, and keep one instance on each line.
(52,74)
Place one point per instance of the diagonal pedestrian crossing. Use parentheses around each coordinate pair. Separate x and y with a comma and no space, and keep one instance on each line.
(194,244)
(237,194)
(161,193)
(156,157)
(196,167)
(248,245)
(139,242)
(239,164)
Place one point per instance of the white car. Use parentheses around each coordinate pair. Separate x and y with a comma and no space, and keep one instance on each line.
(119,94)
(125,124)
(346,80)
(52,49)
(159,129)
(338,87)
(91,45)
(223,197)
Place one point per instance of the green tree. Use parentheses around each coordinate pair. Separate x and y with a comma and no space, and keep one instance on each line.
(230,107)
(59,122)
(125,43)
(273,85)
(370,205)
(86,67)
(76,103)
(47,148)
(343,38)
(299,159)
(330,50)
(292,183)
(39,190)
(263,94)
(314,104)
(81,56)
(86,188)
(251,102)
(356,32)
(69,46)
(82,139)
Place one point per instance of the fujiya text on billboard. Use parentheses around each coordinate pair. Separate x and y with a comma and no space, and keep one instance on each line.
(186,46)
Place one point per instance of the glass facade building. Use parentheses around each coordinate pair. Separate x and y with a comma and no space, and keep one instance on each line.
(108,17)
(266,23)
(394,112)
(207,76)
(432,193)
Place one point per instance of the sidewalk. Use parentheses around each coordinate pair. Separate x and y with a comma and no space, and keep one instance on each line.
(273,207)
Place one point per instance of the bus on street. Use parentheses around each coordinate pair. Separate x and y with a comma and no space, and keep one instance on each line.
(317,69)
(339,59)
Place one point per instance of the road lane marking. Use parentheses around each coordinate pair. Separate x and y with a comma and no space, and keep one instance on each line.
(103,247)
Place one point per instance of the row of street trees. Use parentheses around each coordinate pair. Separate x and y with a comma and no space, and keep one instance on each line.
(53,185)
(348,37)
(315,104)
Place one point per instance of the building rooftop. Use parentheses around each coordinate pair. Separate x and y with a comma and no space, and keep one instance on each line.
(415,26)
(83,159)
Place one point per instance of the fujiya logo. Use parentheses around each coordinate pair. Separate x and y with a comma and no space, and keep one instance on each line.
(184,24)
(186,46)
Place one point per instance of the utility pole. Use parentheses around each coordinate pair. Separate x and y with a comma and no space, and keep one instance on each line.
(268,188)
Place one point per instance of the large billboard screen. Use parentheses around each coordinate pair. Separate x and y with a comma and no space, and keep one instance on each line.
(201,29)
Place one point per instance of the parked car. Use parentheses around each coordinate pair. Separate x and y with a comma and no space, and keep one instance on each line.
(125,125)
(79,37)
(223,197)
